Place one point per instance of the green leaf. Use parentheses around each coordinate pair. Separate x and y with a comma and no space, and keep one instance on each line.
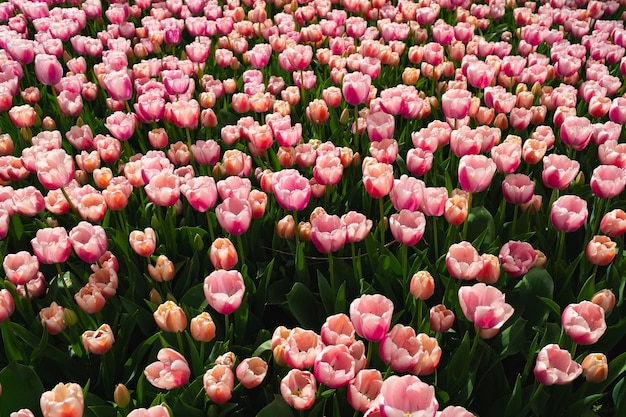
(264,347)
(552,306)
(515,402)
(512,338)
(21,388)
(12,349)
(326,294)
(303,305)
(619,397)
(480,224)
(340,301)
(276,408)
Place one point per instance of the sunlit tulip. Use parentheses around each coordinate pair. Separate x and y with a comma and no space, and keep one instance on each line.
(64,400)
(170,371)
(555,366)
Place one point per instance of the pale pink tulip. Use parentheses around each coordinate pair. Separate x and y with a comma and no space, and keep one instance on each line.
(298,389)
(334,366)
(568,213)
(475,172)
(301,348)
(407,227)
(555,366)
(219,382)
(224,290)
(584,322)
(463,261)
(407,395)
(484,306)
(51,245)
(251,372)
(371,316)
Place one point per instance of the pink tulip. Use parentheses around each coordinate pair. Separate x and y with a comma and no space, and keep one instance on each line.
(98,341)
(301,348)
(298,389)
(480,74)
(53,318)
(234,215)
(407,395)
(118,84)
(356,88)
(507,156)
(334,366)
(234,186)
(337,330)
(422,285)
(219,382)
(456,103)
(463,261)
(419,161)
(143,243)
(20,267)
(465,141)
(407,193)
(48,69)
(328,169)
(223,254)
(121,125)
(434,201)
(7,305)
(399,348)
(454,411)
(407,227)
(156,411)
(251,372)
(607,181)
(559,171)
(380,125)
(555,366)
(357,226)
(371,316)
(601,250)
(90,299)
(224,290)
(517,258)
(200,192)
(170,317)
(163,189)
(568,213)
(518,188)
(55,169)
(475,172)
(484,306)
(89,242)
(584,322)
(377,178)
(24,412)
(328,233)
(441,319)
(576,132)
(613,223)
(170,371)
(51,245)
(64,400)
(385,151)
(292,190)
(364,388)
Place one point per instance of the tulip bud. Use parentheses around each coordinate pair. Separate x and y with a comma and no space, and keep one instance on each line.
(595,367)
(605,299)
(304,231)
(345,116)
(441,319)
(48,123)
(121,396)
(163,270)
(202,327)
(285,228)
(155,297)
(422,285)
(70,317)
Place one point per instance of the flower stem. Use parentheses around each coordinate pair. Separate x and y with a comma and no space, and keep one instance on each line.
(356,128)
(331,271)
(179,339)
(241,253)
(381,225)
(210,224)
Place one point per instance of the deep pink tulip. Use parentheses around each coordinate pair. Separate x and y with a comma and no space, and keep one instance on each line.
(89,242)
(454,411)
(407,227)
(234,215)
(568,213)
(607,181)
(456,103)
(334,366)
(328,233)
(224,290)
(419,161)
(170,371)
(48,69)
(463,261)
(51,245)
(480,74)
(576,132)
(475,172)
(371,316)
(484,306)
(200,192)
(298,389)
(516,258)
(584,322)
(559,171)
(407,193)
(518,188)
(118,84)
(555,366)
(291,189)
(356,88)
(407,395)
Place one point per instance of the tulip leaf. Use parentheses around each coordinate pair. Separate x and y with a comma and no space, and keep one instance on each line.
(552,306)
(515,402)
(278,407)
(512,338)
(99,411)
(619,397)
(326,294)
(11,347)
(588,289)
(21,388)
(340,301)
(303,305)
(480,226)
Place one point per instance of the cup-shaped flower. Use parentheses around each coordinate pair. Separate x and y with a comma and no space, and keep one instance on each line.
(613,223)
(200,192)
(555,366)
(170,317)
(517,258)
(407,227)
(559,171)
(163,270)
(456,103)
(441,319)
(7,305)
(156,411)
(484,306)
(607,181)
(301,348)
(170,371)
(251,371)
(20,267)
(463,261)
(364,388)
(292,190)
(371,316)
(90,299)
(518,188)
(584,322)
(455,411)
(219,382)
(605,298)
(143,243)
(407,395)
(334,366)
(23,412)
(298,389)
(224,290)
(89,242)
(357,226)
(64,400)
(337,330)
(223,254)
(328,233)
(475,172)
(202,327)
(407,193)
(234,215)
(428,355)
(377,178)
(55,169)
(399,348)
(595,367)
(53,318)
(356,88)
(98,341)
(601,250)
(422,285)
(568,213)
(163,189)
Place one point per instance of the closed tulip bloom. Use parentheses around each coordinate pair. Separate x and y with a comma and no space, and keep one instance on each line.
(407,193)
(613,223)
(380,125)
(28,201)
(371,316)
(298,389)
(143,243)
(595,367)
(223,254)
(219,382)
(356,88)
(377,178)
(463,261)
(484,306)
(53,318)
(163,270)
(434,201)
(507,156)
(90,299)
(328,169)
(455,411)
(224,290)
(364,388)
(568,213)
(170,371)
(555,366)
(156,411)
(51,245)
(407,227)
(20,267)
(89,242)
(407,395)
(7,305)
(170,317)
(55,169)
(291,189)
(334,366)
(601,250)
(576,132)
(337,330)
(98,341)
(584,322)
(559,171)
(428,355)
(441,319)
(607,181)
(456,210)
(48,69)
(234,215)
(163,189)
(328,233)
(200,192)
(475,172)
(422,285)
(64,400)
(202,327)
(24,412)
(517,258)
(357,226)
(604,298)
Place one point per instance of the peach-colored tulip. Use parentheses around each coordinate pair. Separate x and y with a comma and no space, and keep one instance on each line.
(218,383)
(251,372)
(441,319)
(98,341)
(364,388)
(605,299)
(64,400)
(143,243)
(53,318)
(595,367)
(337,329)
(422,285)
(170,317)
(298,389)
(223,254)
(601,250)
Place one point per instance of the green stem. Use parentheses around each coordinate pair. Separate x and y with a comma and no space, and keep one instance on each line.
(356,128)
(241,253)
(405,260)
(466,222)
(227,332)
(331,271)
(179,339)
(420,305)
(515,213)
(210,224)
(475,344)
(381,225)
(561,247)
(355,271)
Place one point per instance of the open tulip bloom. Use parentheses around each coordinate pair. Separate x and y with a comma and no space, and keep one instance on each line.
(388,207)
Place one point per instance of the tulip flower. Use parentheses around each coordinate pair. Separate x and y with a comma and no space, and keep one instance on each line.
(371,316)
(64,400)
(484,306)
(224,290)
(584,322)
(555,366)
(402,395)
(298,389)
(98,341)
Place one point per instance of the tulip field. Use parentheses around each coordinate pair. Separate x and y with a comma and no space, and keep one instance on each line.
(223,208)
